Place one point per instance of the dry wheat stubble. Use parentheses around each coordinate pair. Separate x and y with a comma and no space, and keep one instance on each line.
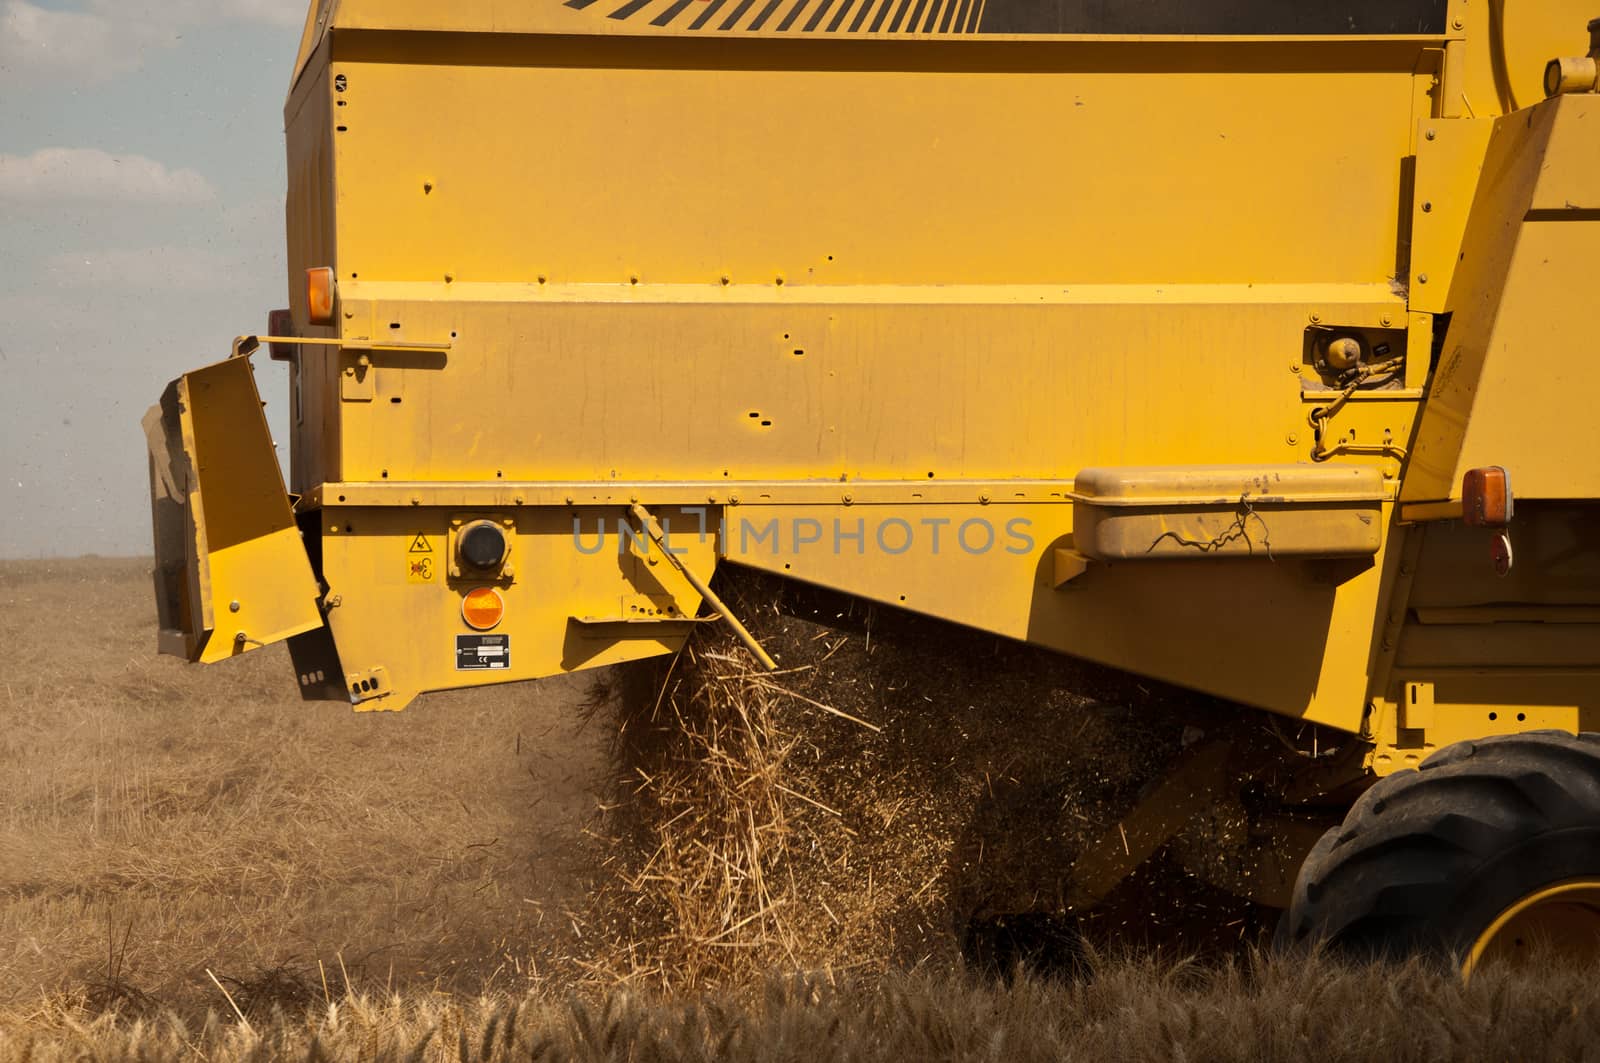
(161,825)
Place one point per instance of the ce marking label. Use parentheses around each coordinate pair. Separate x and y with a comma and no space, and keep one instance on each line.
(478,653)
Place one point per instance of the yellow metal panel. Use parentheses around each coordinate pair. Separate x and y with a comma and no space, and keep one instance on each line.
(1289,636)
(584,594)
(313,372)
(1523,318)
(262,592)
(877,383)
(1449,157)
(246,581)
(1475,703)
(815,162)
(926,281)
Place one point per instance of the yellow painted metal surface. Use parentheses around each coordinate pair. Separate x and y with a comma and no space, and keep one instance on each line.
(676,382)
(1522,313)
(1509,44)
(928,163)
(232,574)
(1474,653)
(588,590)
(1205,624)
(1132,514)
(1561,920)
(1449,156)
(866,298)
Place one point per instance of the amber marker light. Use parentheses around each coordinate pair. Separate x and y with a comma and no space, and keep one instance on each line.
(1486,500)
(483,608)
(319,295)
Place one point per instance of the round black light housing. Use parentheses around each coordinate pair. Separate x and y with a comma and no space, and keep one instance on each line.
(482,545)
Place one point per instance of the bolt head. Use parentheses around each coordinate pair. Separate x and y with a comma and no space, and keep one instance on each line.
(233,606)
(1430,134)
(1422,278)
(1292,439)
(1316,318)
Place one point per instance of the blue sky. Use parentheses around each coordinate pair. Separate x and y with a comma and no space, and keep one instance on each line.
(141,228)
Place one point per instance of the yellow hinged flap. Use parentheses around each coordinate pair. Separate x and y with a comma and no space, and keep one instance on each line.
(231,571)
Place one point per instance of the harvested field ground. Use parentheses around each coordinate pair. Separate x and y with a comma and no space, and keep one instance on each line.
(194,862)
(158,819)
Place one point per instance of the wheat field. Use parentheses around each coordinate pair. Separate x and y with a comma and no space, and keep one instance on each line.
(159,819)
(195,864)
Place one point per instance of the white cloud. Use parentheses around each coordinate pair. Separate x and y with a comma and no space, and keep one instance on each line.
(58,175)
(171,268)
(110,37)
(39,41)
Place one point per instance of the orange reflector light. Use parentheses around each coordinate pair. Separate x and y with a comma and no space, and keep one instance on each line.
(483,608)
(1486,497)
(319,295)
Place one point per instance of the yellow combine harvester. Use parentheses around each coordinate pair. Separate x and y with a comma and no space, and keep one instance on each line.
(1241,344)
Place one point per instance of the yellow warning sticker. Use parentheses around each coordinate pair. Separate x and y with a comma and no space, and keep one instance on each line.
(419,570)
(419,560)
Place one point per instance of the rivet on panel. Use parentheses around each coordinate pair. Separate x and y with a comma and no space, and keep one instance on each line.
(1422,278)
(1427,207)
(1316,318)
(1430,134)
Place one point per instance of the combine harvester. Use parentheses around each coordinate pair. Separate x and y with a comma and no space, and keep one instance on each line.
(1240,345)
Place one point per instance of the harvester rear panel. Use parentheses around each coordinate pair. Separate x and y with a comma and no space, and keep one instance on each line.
(1178,338)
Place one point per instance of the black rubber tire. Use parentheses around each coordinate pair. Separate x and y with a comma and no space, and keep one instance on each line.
(1427,859)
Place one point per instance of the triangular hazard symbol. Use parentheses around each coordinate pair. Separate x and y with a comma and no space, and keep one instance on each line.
(420,545)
